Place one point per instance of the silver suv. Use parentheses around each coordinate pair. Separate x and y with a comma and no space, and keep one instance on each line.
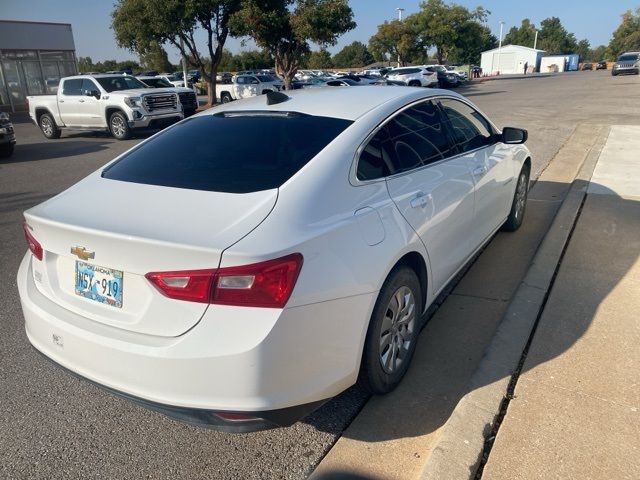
(414,76)
(628,62)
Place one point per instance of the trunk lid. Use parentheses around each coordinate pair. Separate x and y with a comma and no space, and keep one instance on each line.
(136,229)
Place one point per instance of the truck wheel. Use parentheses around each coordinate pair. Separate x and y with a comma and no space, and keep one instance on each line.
(118,126)
(48,126)
(6,150)
(225,97)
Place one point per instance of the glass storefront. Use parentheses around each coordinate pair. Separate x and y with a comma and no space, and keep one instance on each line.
(32,72)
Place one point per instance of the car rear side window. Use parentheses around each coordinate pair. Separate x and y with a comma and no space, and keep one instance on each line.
(73,86)
(413,138)
(470,130)
(236,152)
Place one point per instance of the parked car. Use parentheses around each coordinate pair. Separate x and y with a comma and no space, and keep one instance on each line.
(586,66)
(248,285)
(386,81)
(245,86)
(117,103)
(445,78)
(7,136)
(187,96)
(224,77)
(414,76)
(601,65)
(343,82)
(462,76)
(627,63)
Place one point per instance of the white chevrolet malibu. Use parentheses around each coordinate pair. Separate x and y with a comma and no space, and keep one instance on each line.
(245,265)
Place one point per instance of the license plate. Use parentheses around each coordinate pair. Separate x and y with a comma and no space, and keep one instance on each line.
(100,284)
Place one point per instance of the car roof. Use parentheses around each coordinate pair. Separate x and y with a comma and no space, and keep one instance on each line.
(345,103)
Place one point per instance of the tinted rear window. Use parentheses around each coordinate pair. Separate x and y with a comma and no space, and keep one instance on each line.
(235,153)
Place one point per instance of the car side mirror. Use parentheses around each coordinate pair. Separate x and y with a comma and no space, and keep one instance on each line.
(514,136)
(92,93)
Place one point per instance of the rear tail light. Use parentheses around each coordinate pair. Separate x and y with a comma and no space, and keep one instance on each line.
(33,244)
(264,284)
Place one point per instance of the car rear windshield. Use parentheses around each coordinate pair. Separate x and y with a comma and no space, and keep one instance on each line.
(628,58)
(235,152)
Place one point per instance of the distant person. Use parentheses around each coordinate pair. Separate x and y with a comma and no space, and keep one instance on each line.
(526,65)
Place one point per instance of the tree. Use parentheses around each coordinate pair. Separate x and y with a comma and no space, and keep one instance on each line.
(474,38)
(355,54)
(285,28)
(319,59)
(253,60)
(139,24)
(554,38)
(85,64)
(393,40)
(444,26)
(155,58)
(524,35)
(583,49)
(601,52)
(627,36)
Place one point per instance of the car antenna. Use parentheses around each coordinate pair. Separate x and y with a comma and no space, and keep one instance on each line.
(273,98)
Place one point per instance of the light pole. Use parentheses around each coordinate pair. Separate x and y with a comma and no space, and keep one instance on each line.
(500,45)
(535,41)
(399,10)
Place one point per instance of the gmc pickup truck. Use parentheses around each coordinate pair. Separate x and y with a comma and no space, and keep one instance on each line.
(244,86)
(116,103)
(187,96)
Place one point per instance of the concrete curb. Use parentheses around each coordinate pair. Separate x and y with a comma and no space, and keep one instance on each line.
(457,454)
(511,77)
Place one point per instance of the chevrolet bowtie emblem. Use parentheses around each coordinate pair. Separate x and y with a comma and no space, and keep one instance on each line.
(82,253)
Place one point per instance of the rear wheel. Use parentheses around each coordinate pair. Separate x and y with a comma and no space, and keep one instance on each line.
(519,204)
(48,126)
(393,332)
(119,126)
(414,83)
(225,97)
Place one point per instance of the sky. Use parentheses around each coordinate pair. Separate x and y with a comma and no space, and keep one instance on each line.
(594,20)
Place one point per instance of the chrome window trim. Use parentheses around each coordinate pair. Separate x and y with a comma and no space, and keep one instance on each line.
(353,171)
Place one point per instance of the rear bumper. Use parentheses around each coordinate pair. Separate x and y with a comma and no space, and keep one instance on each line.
(274,366)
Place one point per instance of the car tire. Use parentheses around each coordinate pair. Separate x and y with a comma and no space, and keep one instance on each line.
(6,150)
(48,126)
(119,126)
(393,332)
(519,203)
(225,97)
(415,83)
(613,73)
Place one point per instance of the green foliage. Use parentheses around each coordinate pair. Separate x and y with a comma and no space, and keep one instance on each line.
(524,35)
(474,38)
(601,52)
(355,54)
(252,60)
(626,37)
(155,58)
(140,24)
(394,39)
(318,59)
(448,28)
(285,28)
(583,49)
(85,64)
(554,38)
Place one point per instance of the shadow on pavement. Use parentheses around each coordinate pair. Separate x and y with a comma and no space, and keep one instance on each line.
(458,332)
(53,149)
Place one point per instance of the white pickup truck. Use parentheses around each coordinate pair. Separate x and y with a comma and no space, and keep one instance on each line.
(244,86)
(117,103)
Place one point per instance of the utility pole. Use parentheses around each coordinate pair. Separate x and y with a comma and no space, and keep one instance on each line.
(399,10)
(535,41)
(184,65)
(500,45)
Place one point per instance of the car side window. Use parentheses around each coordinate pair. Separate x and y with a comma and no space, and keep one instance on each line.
(413,138)
(240,80)
(72,86)
(470,130)
(89,86)
(418,137)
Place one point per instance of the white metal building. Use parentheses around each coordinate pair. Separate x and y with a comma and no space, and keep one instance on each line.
(510,59)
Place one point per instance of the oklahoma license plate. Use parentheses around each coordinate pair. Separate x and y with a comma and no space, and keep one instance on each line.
(100,284)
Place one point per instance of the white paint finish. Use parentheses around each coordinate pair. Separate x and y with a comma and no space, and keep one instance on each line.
(507,60)
(618,168)
(241,358)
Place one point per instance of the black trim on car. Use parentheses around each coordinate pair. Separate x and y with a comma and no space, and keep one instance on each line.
(220,420)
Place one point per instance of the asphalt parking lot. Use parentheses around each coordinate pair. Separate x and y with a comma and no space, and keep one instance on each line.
(56,426)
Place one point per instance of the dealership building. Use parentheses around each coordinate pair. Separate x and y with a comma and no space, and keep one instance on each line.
(33,58)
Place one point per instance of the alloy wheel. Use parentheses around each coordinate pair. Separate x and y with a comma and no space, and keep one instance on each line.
(397,330)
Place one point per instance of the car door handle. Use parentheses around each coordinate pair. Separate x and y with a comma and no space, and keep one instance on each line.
(81,100)
(60,101)
(420,200)
(481,170)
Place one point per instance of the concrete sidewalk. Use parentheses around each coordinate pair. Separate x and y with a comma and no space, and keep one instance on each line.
(576,406)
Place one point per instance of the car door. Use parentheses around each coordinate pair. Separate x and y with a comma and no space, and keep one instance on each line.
(69,102)
(491,165)
(89,106)
(431,186)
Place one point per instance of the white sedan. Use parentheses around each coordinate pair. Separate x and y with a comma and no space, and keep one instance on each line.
(243,283)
